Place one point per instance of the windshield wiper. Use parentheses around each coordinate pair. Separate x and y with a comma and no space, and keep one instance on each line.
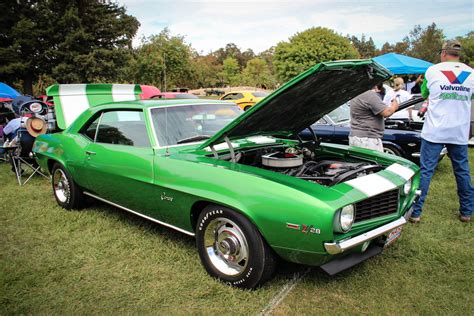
(193,139)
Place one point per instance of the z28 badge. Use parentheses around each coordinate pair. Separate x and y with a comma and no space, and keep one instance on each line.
(304,228)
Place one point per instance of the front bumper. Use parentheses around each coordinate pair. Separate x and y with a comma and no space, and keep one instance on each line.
(334,248)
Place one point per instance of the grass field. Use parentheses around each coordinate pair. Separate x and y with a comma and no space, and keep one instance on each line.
(104,261)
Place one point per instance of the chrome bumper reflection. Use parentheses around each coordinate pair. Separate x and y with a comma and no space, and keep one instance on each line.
(443,152)
(334,248)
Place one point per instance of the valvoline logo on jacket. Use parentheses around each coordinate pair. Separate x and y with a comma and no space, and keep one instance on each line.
(453,79)
(450,87)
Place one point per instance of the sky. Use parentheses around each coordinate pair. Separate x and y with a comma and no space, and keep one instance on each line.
(210,25)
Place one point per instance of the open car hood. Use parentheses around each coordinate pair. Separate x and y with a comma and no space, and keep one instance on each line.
(304,99)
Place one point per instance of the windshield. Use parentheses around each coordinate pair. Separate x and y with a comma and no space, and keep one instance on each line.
(341,114)
(259,94)
(176,124)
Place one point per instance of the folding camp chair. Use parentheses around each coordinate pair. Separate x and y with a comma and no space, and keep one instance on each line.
(22,156)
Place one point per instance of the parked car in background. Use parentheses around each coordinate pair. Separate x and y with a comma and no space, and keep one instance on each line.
(239,181)
(244,99)
(401,138)
(149,92)
(175,95)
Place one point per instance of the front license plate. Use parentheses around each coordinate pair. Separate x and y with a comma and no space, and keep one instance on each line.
(393,235)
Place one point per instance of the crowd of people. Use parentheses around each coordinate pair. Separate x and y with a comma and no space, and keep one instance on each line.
(447,87)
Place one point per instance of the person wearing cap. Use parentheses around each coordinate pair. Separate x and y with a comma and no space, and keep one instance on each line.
(448,88)
(367,118)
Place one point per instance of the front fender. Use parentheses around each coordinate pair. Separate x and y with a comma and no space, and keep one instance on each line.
(270,205)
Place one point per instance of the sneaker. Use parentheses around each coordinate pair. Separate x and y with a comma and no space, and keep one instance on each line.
(464,219)
(414,219)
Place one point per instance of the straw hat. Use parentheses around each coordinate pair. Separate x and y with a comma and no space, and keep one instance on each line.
(36,126)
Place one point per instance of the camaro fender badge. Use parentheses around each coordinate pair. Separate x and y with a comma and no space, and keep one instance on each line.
(304,228)
(164,197)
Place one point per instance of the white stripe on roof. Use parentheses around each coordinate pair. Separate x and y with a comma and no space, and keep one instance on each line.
(73,100)
(123,92)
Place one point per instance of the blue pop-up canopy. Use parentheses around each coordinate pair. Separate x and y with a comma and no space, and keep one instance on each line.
(7,92)
(402,65)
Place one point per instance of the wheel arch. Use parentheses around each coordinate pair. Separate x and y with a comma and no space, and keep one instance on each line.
(200,205)
(395,146)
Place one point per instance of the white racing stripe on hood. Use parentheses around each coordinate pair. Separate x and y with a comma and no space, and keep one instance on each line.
(372,184)
(404,172)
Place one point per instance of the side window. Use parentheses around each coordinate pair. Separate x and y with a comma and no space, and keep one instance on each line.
(238,96)
(230,96)
(322,121)
(123,128)
(89,130)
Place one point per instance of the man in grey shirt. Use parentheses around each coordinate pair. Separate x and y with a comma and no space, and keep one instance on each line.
(367,119)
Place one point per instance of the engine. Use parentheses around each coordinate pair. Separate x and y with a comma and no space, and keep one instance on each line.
(303,164)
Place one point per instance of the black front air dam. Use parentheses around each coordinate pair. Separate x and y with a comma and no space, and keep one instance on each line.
(335,266)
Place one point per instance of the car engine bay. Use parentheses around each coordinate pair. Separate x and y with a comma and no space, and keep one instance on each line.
(304,164)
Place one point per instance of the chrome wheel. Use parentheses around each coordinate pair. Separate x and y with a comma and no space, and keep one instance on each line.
(61,186)
(226,246)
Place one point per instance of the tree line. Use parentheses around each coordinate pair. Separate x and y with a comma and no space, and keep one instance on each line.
(90,41)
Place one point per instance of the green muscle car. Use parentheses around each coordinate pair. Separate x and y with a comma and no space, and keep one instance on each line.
(242,183)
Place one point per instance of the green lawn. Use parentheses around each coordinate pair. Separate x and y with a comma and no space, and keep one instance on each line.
(102,260)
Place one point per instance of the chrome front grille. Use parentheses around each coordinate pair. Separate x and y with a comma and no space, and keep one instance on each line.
(379,205)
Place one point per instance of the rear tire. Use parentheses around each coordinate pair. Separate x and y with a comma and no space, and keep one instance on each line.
(231,248)
(247,107)
(67,193)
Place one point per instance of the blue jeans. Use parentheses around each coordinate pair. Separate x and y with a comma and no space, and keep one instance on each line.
(459,159)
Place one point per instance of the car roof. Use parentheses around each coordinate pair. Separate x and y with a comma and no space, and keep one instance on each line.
(144,104)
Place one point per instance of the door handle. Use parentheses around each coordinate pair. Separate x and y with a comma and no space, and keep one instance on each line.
(90,153)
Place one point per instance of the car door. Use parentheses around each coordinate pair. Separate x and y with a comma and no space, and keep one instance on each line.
(119,161)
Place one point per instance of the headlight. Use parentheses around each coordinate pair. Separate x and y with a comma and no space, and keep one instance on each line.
(407,187)
(344,219)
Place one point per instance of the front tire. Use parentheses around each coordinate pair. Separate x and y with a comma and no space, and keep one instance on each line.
(231,248)
(68,195)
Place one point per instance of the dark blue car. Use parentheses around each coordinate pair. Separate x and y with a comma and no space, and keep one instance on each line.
(401,137)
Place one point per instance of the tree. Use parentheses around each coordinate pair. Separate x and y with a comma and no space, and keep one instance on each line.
(257,74)
(205,72)
(308,48)
(467,52)
(232,50)
(230,71)
(425,43)
(366,48)
(73,41)
(162,60)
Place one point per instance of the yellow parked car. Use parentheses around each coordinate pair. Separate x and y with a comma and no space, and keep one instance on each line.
(244,99)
